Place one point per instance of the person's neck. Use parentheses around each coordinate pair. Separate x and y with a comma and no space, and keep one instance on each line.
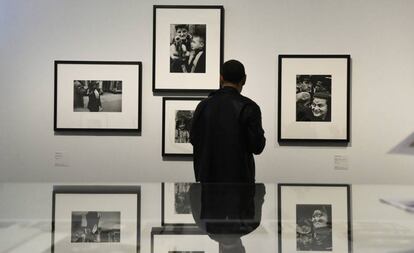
(232,85)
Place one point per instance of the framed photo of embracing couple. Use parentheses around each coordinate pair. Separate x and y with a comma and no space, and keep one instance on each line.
(314,98)
(97,96)
(187,47)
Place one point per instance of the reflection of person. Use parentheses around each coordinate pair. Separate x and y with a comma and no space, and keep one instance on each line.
(180,48)
(197,58)
(227,131)
(94,104)
(226,212)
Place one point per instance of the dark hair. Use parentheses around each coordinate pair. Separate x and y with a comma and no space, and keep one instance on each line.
(324,95)
(233,71)
(198,35)
(180,26)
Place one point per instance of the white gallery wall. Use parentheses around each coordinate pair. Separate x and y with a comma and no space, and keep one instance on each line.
(378,34)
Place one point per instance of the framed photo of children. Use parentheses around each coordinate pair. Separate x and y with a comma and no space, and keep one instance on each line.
(176,204)
(314,95)
(177,116)
(96,219)
(314,218)
(187,47)
(97,96)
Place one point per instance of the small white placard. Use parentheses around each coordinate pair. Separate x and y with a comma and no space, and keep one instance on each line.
(61,159)
(341,162)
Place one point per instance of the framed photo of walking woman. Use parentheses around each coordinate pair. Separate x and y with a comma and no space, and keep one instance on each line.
(177,116)
(314,95)
(97,96)
(187,47)
(314,218)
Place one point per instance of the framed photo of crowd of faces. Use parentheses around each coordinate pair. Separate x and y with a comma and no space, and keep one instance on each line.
(314,97)
(176,204)
(314,217)
(182,240)
(177,116)
(97,96)
(96,219)
(187,47)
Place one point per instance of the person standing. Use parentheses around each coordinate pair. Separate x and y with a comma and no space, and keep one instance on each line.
(94,103)
(227,131)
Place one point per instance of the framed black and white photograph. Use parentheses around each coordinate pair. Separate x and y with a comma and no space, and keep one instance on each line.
(183,240)
(314,218)
(314,95)
(98,96)
(96,219)
(177,115)
(176,205)
(187,47)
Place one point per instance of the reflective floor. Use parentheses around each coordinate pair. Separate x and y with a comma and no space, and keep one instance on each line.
(196,218)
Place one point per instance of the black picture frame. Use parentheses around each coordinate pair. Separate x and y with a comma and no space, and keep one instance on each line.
(168,217)
(95,190)
(163,80)
(309,193)
(169,147)
(306,125)
(62,112)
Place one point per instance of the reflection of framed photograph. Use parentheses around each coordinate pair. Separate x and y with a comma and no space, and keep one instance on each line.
(314,98)
(184,240)
(314,218)
(97,95)
(176,205)
(177,115)
(96,219)
(188,47)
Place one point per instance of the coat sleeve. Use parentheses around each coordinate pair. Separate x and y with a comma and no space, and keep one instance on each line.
(195,140)
(252,117)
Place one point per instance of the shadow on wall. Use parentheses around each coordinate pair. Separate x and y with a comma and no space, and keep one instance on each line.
(406,147)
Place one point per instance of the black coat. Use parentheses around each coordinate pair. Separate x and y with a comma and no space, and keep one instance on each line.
(226,132)
(94,103)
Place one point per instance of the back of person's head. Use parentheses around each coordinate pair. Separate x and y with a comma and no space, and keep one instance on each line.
(233,71)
